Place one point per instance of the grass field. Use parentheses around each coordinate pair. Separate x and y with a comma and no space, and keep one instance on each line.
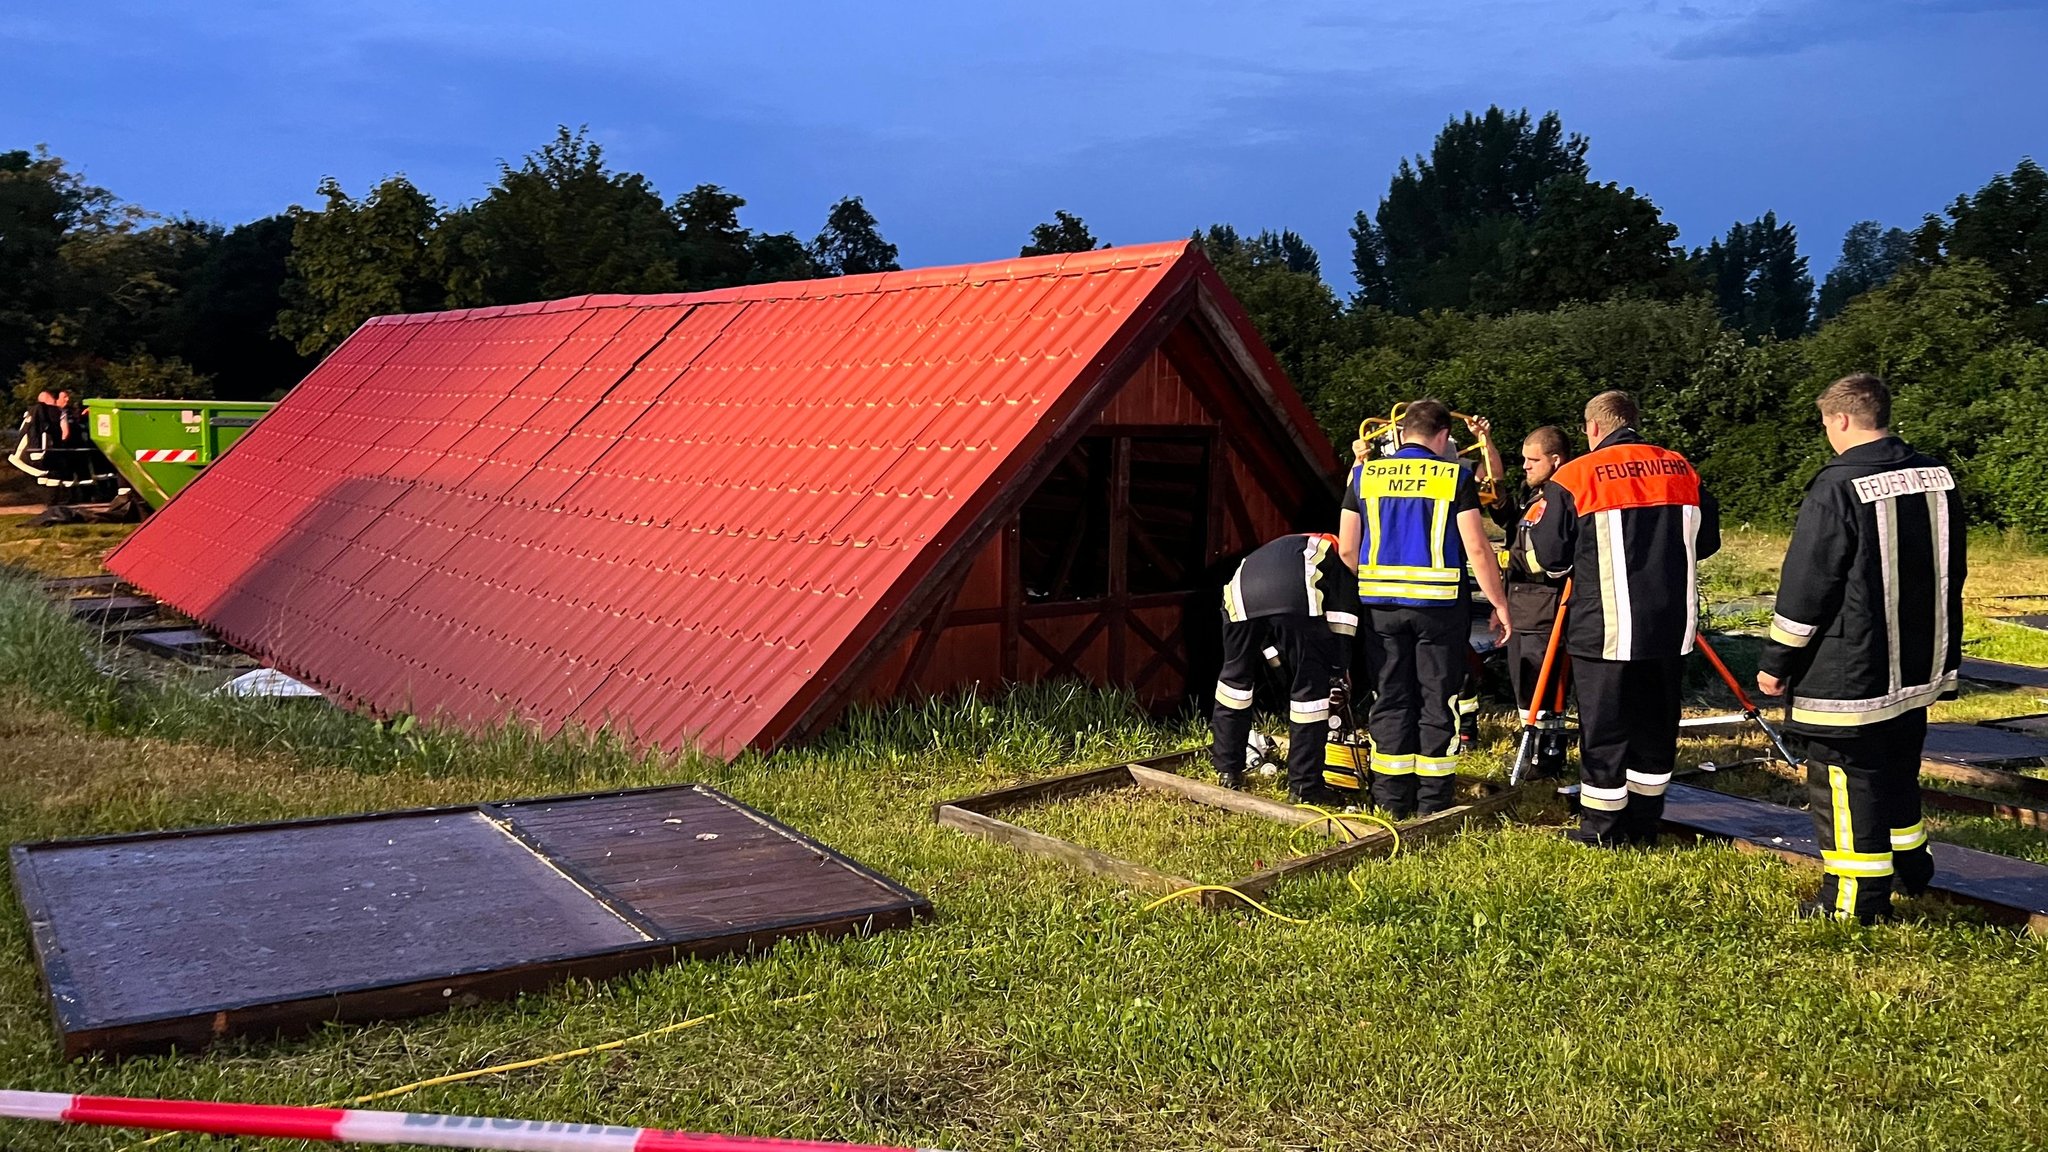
(1504,989)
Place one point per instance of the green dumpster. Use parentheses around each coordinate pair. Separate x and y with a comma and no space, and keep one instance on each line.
(158,446)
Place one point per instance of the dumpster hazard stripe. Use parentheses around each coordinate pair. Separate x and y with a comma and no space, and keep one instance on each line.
(166,455)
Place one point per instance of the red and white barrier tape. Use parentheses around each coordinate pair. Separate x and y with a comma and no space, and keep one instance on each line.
(349,1126)
(166,455)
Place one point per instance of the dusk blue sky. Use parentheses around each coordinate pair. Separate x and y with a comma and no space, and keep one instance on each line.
(964,124)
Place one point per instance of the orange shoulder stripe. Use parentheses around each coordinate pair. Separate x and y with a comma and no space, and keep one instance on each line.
(1629,476)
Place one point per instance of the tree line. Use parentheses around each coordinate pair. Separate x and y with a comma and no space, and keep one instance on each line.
(1495,272)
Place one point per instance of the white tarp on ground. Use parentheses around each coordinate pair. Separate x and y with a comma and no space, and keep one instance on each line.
(267,682)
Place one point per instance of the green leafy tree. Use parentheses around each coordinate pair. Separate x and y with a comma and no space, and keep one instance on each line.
(227,312)
(1063,233)
(1587,241)
(354,259)
(139,376)
(41,203)
(2004,227)
(1278,278)
(1445,215)
(1501,216)
(1871,256)
(1944,338)
(1759,279)
(715,252)
(780,256)
(851,243)
(563,224)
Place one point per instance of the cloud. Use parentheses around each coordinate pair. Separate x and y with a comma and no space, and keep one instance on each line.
(1787,27)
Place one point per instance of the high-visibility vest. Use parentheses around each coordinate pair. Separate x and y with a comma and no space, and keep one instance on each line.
(1410,552)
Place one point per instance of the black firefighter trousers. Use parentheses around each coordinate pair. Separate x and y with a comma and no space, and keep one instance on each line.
(1863,786)
(1309,651)
(1628,744)
(1532,610)
(1420,660)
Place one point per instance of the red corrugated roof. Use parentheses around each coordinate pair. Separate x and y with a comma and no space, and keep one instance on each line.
(680,515)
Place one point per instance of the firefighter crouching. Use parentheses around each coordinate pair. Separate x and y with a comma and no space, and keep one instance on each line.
(1533,595)
(1409,521)
(1629,523)
(1867,633)
(1292,603)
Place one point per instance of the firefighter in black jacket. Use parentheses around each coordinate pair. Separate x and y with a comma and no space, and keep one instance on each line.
(1409,520)
(1629,523)
(1292,603)
(1867,633)
(1532,591)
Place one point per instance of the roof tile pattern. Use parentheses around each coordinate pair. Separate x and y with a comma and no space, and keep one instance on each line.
(665,514)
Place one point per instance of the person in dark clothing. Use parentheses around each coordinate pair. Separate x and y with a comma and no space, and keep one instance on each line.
(1533,594)
(1409,521)
(1867,633)
(1629,523)
(1293,603)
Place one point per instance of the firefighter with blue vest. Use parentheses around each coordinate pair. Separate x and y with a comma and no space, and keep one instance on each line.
(1292,604)
(1409,521)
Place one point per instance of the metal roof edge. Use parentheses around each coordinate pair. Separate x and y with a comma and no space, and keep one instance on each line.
(1268,378)
(1016,268)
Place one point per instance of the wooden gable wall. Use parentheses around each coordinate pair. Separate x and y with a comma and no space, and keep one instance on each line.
(1160,645)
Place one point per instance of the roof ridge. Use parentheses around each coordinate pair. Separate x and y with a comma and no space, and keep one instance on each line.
(1015,268)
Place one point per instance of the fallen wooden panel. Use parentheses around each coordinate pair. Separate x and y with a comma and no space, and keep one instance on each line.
(1983,746)
(2014,890)
(189,644)
(2038,623)
(77,585)
(2009,675)
(180,938)
(1996,779)
(2035,725)
(974,815)
(2020,814)
(109,608)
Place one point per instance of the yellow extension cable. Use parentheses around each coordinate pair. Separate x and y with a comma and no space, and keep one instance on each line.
(1325,816)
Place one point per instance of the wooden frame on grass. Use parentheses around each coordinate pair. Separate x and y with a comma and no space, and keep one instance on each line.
(974,815)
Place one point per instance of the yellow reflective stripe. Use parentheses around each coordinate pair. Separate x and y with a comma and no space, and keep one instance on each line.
(1791,633)
(1436,765)
(1312,559)
(1909,838)
(1838,799)
(1408,591)
(1393,765)
(1371,505)
(1308,711)
(1237,698)
(1850,713)
(1845,896)
(1439,525)
(1402,572)
(1857,863)
(1779,635)
(1603,799)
